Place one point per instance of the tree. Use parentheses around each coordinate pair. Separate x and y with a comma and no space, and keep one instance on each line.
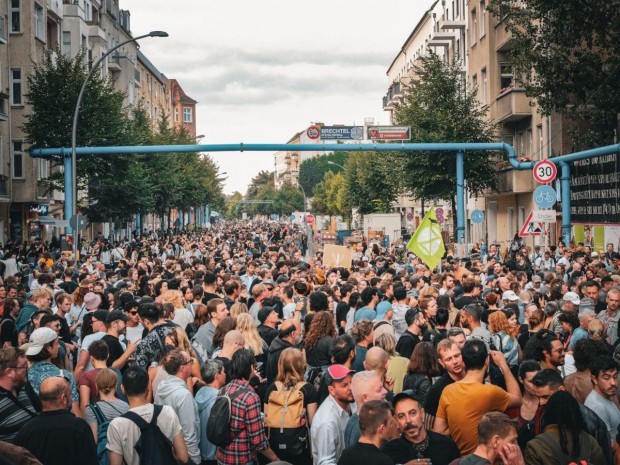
(439,108)
(312,171)
(234,207)
(567,56)
(288,199)
(371,184)
(329,196)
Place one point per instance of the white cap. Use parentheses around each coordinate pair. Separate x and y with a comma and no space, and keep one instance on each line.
(572,298)
(509,295)
(39,338)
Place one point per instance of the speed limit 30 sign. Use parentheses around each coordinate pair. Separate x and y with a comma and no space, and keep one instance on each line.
(545,171)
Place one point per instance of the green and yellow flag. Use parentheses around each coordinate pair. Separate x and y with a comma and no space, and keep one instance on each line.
(427,242)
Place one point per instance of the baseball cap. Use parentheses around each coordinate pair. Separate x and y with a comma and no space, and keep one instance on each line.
(594,254)
(572,298)
(365,258)
(39,338)
(382,309)
(264,313)
(100,315)
(536,279)
(336,373)
(269,282)
(116,315)
(509,295)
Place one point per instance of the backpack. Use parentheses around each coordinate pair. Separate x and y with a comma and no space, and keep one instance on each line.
(153,447)
(102,434)
(219,432)
(315,376)
(285,420)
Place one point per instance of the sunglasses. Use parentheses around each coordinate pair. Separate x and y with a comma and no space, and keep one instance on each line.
(187,362)
(133,313)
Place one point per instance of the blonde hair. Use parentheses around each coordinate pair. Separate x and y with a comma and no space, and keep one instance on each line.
(237,309)
(179,336)
(174,297)
(291,367)
(106,381)
(247,327)
(429,291)
(596,328)
(387,342)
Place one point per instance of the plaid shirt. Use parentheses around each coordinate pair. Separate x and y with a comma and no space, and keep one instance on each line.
(246,426)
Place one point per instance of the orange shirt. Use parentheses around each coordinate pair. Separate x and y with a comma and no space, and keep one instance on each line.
(463,404)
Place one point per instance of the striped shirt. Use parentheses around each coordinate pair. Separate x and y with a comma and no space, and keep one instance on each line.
(14,412)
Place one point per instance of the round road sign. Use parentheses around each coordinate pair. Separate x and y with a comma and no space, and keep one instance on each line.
(314,132)
(477,216)
(545,171)
(544,196)
(309,219)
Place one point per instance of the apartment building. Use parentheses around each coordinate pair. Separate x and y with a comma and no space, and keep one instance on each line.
(286,164)
(29,29)
(465,32)
(152,90)
(183,108)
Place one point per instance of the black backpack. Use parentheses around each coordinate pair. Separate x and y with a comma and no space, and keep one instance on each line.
(153,447)
(218,426)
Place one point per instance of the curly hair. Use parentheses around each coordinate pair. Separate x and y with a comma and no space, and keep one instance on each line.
(361,330)
(323,324)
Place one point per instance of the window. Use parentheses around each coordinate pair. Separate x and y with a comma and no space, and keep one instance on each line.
(511,222)
(528,143)
(176,115)
(483,18)
(506,80)
(474,81)
(539,136)
(473,33)
(483,90)
(43,169)
(15,16)
(66,43)
(16,86)
(39,22)
(187,115)
(18,159)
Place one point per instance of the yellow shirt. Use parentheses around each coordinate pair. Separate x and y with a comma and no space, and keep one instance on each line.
(397,369)
(463,404)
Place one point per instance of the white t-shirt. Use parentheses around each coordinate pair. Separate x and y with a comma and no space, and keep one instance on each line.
(123,434)
(88,340)
(134,334)
(182,317)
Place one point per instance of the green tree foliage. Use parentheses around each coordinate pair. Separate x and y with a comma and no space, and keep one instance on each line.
(288,199)
(116,186)
(312,171)
(234,208)
(439,108)
(370,181)
(567,56)
(330,195)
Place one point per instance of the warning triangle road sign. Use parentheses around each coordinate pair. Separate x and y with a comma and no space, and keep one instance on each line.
(530,227)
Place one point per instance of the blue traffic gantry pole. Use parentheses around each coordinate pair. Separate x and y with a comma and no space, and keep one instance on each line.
(459,149)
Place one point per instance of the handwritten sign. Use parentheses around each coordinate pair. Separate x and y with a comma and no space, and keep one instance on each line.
(337,256)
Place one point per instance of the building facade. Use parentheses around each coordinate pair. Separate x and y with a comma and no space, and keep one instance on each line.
(466,33)
(29,30)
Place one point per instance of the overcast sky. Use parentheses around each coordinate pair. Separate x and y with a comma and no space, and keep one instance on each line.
(262,71)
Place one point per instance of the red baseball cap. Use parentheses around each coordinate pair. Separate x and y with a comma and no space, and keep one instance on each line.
(337,373)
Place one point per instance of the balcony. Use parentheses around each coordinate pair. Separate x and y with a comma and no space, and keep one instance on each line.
(445,39)
(503,39)
(96,33)
(513,181)
(114,62)
(452,25)
(393,96)
(513,105)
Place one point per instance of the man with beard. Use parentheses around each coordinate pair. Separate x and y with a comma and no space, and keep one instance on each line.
(332,416)
(416,442)
(451,359)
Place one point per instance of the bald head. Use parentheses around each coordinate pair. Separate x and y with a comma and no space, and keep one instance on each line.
(55,393)
(233,337)
(376,359)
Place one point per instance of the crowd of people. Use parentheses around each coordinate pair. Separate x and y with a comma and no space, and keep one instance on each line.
(233,346)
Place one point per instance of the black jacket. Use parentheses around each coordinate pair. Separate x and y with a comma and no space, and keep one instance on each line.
(275,349)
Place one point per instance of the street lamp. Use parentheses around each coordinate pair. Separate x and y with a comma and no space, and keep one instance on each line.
(329,162)
(73,203)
